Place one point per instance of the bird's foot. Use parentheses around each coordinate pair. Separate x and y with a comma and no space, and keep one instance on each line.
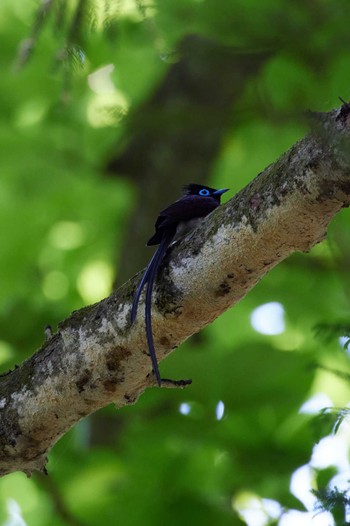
(166,382)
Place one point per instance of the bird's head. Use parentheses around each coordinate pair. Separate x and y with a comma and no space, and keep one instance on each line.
(203,191)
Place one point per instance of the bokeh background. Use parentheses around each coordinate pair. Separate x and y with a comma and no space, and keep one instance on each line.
(106,109)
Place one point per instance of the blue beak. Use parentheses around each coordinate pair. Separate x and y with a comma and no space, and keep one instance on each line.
(220,192)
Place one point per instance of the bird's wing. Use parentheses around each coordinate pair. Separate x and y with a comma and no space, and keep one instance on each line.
(185,209)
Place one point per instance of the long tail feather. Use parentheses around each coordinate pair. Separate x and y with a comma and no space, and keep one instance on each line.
(141,285)
(167,238)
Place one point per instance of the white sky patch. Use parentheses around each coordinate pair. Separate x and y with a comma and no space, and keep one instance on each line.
(301,485)
(14,512)
(109,104)
(268,318)
(332,450)
(299,518)
(343,340)
(100,80)
(185,409)
(315,404)
(341,482)
(257,511)
(220,409)
(272,507)
(254,517)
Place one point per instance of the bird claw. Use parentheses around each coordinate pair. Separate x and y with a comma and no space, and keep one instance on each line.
(166,382)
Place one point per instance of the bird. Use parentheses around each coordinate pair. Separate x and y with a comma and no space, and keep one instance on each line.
(176,220)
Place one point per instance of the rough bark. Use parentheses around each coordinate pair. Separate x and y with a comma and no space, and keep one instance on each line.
(97,358)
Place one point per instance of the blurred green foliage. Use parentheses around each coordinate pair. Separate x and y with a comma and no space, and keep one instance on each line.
(173,458)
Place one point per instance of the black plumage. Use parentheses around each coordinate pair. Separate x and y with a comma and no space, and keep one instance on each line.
(175,220)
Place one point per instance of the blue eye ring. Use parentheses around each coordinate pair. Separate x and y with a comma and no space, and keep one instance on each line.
(204,192)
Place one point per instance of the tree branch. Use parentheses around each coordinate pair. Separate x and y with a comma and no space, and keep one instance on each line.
(97,358)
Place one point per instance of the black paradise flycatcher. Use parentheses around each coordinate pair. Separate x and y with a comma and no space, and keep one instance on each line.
(176,220)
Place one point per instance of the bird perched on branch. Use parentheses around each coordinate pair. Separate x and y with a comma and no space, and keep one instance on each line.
(176,220)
